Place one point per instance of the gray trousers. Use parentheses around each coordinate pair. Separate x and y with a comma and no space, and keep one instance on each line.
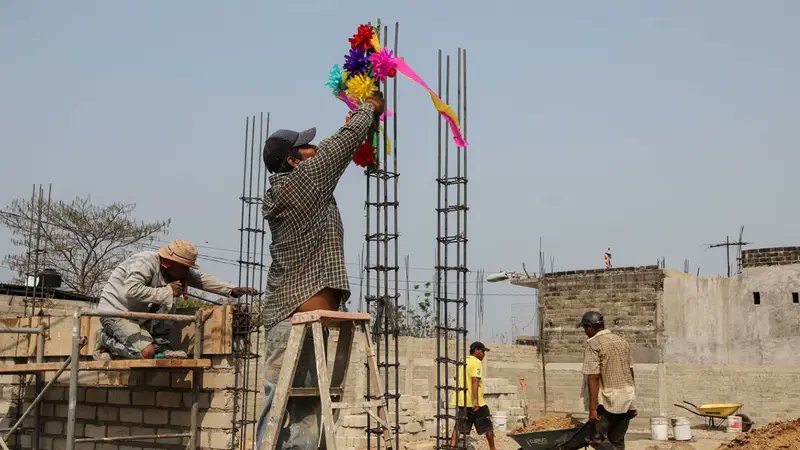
(301,425)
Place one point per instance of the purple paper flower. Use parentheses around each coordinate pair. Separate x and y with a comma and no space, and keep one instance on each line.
(356,61)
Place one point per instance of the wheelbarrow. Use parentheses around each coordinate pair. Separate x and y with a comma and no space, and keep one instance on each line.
(562,439)
(717,413)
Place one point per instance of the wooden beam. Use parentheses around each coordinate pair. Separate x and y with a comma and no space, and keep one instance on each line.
(127,364)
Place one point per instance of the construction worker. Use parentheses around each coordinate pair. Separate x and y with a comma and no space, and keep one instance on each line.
(307,272)
(146,282)
(472,411)
(609,384)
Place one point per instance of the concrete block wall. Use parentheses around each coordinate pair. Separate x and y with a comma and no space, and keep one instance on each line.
(139,402)
(769,393)
(627,297)
(776,256)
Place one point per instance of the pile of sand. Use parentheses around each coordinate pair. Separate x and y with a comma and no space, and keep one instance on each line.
(775,436)
(546,423)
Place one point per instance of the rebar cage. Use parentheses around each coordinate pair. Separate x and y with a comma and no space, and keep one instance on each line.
(451,258)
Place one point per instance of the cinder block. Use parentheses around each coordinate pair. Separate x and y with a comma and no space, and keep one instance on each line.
(157,379)
(95,431)
(96,396)
(203,398)
(219,420)
(218,380)
(53,427)
(119,397)
(144,398)
(222,400)
(130,415)
(118,430)
(108,413)
(156,416)
(181,379)
(219,440)
(86,412)
(168,399)
(180,418)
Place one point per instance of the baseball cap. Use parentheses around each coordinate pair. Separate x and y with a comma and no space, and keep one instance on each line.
(279,146)
(477,345)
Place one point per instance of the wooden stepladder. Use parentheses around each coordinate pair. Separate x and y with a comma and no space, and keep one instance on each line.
(331,383)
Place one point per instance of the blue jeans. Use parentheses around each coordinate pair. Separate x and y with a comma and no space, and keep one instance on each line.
(301,426)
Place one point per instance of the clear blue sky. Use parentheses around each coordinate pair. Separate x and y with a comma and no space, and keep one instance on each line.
(650,127)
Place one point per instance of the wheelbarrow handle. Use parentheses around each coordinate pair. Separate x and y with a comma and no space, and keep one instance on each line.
(697,413)
(690,403)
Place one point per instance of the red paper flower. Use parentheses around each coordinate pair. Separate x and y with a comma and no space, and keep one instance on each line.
(365,155)
(362,38)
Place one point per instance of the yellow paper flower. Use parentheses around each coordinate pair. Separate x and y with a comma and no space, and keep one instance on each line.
(360,87)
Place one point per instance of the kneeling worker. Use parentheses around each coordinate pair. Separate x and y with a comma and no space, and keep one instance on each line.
(151,279)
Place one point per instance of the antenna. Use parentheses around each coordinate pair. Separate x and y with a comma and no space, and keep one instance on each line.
(728,244)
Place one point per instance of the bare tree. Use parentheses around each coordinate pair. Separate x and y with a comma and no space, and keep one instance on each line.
(84,242)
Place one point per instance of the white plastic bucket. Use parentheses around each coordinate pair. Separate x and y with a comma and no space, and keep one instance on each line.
(500,419)
(734,424)
(659,429)
(682,429)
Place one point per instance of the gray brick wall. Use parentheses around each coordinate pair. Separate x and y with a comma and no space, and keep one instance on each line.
(776,256)
(627,297)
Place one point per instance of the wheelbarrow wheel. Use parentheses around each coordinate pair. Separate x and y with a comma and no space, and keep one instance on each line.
(747,423)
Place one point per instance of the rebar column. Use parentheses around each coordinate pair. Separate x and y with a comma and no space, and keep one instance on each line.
(72,404)
(451,260)
(252,231)
(381,266)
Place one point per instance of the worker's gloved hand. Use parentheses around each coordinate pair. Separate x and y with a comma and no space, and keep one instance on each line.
(240,291)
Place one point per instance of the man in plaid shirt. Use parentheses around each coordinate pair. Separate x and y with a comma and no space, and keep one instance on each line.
(608,369)
(307,272)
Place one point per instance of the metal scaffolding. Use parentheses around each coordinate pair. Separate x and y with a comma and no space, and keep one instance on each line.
(381,266)
(451,257)
(246,327)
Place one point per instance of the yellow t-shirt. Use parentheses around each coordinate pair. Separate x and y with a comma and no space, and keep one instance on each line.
(474,370)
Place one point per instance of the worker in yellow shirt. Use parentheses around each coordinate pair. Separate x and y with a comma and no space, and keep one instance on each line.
(473,410)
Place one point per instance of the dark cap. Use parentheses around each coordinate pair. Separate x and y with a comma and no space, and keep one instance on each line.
(477,345)
(591,318)
(280,144)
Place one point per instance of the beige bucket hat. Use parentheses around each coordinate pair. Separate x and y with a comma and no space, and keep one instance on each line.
(180,251)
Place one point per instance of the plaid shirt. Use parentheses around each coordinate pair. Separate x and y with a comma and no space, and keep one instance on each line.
(609,356)
(307,246)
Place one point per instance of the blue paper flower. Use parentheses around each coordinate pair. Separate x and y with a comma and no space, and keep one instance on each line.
(335,79)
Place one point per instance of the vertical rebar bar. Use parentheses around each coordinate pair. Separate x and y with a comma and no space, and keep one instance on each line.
(396,178)
(260,284)
(194,440)
(72,405)
(37,415)
(439,269)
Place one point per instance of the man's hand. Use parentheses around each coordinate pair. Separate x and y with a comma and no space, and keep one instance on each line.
(377,101)
(476,407)
(594,417)
(240,291)
(177,289)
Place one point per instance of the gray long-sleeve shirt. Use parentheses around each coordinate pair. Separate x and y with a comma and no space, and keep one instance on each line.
(307,246)
(138,282)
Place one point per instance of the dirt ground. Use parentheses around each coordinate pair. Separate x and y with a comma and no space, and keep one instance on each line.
(774,436)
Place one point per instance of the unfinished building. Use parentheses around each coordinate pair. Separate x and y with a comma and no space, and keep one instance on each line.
(698,339)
